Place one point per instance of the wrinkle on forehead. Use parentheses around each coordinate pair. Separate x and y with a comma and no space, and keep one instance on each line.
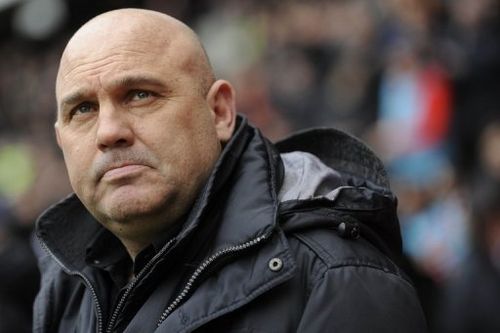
(154,36)
(98,62)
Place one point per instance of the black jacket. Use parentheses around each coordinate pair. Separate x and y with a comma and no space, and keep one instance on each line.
(249,258)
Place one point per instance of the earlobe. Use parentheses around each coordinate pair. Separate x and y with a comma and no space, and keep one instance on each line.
(221,99)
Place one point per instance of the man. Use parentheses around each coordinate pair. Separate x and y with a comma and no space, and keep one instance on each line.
(185,218)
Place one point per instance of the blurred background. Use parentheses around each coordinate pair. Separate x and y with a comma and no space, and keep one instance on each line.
(418,80)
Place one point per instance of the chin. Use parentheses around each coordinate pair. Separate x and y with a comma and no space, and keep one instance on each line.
(130,211)
(133,205)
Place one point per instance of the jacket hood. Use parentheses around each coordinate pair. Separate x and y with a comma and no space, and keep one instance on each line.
(329,170)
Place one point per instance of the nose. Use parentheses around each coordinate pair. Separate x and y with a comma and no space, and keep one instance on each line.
(113,129)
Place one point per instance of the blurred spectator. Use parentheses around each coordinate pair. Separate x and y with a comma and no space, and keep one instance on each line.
(414,115)
(473,53)
(27,171)
(19,277)
(471,300)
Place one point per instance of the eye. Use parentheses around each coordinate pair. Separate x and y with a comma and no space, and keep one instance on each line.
(140,95)
(83,108)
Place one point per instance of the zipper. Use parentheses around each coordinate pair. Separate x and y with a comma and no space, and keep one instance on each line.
(133,283)
(85,280)
(202,268)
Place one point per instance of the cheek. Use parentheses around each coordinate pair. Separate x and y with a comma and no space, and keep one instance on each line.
(77,164)
(186,151)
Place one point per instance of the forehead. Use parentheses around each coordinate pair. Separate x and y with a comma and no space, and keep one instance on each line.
(97,61)
(103,61)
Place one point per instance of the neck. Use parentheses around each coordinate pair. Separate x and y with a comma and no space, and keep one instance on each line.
(135,247)
(136,235)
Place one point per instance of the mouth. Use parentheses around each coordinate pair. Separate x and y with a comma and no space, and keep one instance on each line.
(122,171)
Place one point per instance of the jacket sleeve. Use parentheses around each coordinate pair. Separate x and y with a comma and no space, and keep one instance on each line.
(353,299)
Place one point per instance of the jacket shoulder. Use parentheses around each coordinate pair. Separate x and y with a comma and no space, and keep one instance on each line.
(356,286)
(321,239)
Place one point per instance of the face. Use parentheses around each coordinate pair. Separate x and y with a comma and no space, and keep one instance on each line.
(138,135)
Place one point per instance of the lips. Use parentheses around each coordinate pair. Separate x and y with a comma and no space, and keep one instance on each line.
(121,163)
(123,171)
(120,170)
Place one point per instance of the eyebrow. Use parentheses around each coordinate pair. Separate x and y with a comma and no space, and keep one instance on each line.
(128,81)
(136,80)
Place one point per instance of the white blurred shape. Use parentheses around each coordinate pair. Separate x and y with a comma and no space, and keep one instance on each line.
(39,19)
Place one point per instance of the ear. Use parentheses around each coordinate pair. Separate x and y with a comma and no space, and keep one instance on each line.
(221,100)
(58,139)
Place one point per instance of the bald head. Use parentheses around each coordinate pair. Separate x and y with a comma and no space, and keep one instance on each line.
(160,37)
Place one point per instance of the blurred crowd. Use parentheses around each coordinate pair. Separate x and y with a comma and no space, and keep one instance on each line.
(418,80)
